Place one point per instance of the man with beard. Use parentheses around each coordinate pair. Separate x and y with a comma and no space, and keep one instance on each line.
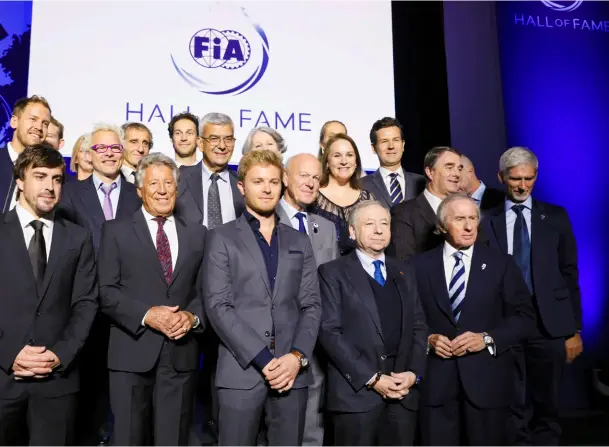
(184,133)
(30,122)
(262,298)
(49,299)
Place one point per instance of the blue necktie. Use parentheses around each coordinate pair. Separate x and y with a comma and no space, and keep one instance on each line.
(521,249)
(378,273)
(301,222)
(395,190)
(456,288)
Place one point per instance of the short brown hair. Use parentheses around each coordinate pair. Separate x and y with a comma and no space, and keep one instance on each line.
(137,126)
(325,170)
(59,126)
(183,116)
(431,157)
(22,103)
(255,158)
(41,155)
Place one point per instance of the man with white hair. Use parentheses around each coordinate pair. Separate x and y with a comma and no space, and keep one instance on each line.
(477,311)
(540,238)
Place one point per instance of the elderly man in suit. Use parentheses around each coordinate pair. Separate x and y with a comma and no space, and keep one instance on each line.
(49,298)
(262,298)
(390,184)
(301,179)
(540,238)
(373,330)
(477,313)
(413,223)
(150,269)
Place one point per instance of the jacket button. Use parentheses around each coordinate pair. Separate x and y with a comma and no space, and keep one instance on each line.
(168,295)
(378,332)
(37,314)
(273,306)
(383,357)
(30,342)
(267,334)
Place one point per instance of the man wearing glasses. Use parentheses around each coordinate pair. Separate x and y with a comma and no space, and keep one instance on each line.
(105,195)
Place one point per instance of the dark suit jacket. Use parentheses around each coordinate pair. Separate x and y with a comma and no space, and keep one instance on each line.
(7,182)
(80,205)
(497,301)
(58,316)
(351,335)
(490,199)
(190,193)
(243,309)
(415,184)
(554,264)
(412,228)
(131,281)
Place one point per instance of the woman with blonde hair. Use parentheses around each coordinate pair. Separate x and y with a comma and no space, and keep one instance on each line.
(81,162)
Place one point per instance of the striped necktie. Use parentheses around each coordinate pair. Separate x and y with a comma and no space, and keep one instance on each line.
(395,190)
(456,288)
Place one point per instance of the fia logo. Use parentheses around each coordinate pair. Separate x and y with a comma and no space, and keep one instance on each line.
(212,48)
(559,6)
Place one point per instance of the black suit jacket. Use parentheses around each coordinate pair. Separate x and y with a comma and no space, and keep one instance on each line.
(415,184)
(190,193)
(350,332)
(80,205)
(496,301)
(554,264)
(131,281)
(7,182)
(490,199)
(58,316)
(412,228)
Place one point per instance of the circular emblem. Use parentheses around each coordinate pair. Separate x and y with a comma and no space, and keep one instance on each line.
(562,6)
(212,48)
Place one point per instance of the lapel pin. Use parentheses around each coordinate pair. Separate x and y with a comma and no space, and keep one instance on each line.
(401,273)
(315,227)
(483,266)
(543,216)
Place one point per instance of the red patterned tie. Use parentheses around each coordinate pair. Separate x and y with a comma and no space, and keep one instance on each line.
(163,250)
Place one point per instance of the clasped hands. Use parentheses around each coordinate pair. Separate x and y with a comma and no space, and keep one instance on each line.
(281,372)
(34,362)
(465,343)
(395,386)
(171,321)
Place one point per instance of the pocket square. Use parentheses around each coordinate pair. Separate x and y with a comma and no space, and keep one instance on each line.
(295,252)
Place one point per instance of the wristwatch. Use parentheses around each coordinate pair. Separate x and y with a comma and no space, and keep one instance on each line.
(301,358)
(196,323)
(488,340)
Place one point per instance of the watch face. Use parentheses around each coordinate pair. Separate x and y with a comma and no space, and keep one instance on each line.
(304,362)
(488,340)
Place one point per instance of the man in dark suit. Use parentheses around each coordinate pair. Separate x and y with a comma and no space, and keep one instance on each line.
(413,222)
(262,298)
(49,297)
(390,184)
(208,190)
(373,330)
(485,197)
(540,238)
(150,288)
(30,122)
(477,311)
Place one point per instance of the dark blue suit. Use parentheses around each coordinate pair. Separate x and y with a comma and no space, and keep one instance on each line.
(557,299)
(473,391)
(7,183)
(414,185)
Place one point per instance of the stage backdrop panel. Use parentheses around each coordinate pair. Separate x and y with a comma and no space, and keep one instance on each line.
(288,65)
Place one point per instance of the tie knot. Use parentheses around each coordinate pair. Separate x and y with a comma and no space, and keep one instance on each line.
(393,175)
(107,189)
(300,216)
(458,256)
(160,220)
(518,209)
(214,177)
(37,225)
(377,264)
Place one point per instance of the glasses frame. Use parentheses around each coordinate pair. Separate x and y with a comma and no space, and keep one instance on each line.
(103,148)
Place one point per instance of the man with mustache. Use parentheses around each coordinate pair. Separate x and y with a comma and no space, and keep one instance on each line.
(49,298)
(30,122)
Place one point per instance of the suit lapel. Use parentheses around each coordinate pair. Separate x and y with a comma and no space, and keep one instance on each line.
(498,225)
(377,178)
(394,273)
(8,183)
(59,246)
(425,209)
(436,276)
(195,186)
(238,201)
(476,277)
(123,197)
(183,246)
(283,248)
(140,227)
(359,278)
(411,186)
(540,237)
(15,237)
(246,235)
(314,236)
(90,201)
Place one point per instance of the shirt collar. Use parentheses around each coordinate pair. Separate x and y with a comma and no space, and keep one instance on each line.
(25,217)
(127,171)
(97,182)
(528,203)
(478,193)
(433,200)
(385,172)
(367,260)
(150,217)
(11,152)
(449,250)
(254,222)
(224,175)
(290,210)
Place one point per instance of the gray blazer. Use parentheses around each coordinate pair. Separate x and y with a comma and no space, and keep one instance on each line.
(242,309)
(322,233)
(415,184)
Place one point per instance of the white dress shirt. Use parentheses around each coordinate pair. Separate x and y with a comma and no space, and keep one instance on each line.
(385,173)
(510,220)
(478,193)
(224,189)
(128,173)
(433,200)
(170,230)
(367,261)
(291,212)
(114,194)
(13,155)
(26,218)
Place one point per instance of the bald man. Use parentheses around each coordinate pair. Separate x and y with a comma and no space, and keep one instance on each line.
(470,184)
(301,179)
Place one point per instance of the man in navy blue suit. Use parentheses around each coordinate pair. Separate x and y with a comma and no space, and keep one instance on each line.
(539,237)
(478,309)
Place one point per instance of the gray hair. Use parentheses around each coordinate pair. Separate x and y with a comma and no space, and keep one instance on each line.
(441,214)
(215,118)
(247,146)
(516,156)
(155,159)
(104,127)
(354,212)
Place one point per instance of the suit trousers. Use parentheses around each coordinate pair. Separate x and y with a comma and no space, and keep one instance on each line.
(45,421)
(152,407)
(241,412)
(386,424)
(314,427)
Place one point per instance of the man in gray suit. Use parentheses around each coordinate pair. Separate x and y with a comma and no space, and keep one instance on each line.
(301,180)
(262,297)
(390,184)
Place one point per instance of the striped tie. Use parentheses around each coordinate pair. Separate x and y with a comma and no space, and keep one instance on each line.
(456,289)
(395,190)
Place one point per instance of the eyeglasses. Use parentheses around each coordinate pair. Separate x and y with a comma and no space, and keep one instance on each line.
(103,148)
(215,141)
